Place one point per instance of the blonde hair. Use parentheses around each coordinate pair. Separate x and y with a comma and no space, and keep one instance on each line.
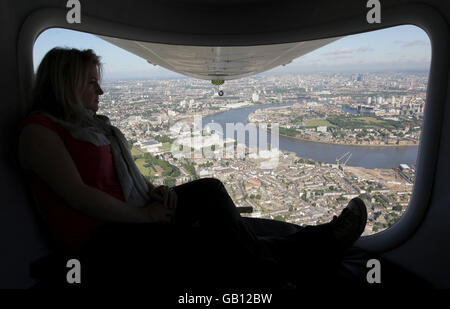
(60,74)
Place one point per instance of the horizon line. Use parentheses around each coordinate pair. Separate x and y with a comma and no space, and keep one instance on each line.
(166,77)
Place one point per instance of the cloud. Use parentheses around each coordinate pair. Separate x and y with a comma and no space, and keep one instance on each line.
(346,51)
(341,57)
(341,51)
(411,43)
(363,49)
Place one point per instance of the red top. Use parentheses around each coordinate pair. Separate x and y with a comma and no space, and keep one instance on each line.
(69,227)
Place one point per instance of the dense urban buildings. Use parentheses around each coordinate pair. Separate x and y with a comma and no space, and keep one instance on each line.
(371,110)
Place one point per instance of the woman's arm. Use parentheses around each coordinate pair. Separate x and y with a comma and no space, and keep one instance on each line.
(42,151)
(151,187)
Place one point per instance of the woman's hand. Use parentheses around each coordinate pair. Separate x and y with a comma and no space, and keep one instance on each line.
(165,196)
(157,212)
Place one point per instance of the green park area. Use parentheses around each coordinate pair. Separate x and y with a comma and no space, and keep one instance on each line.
(318,123)
(363,122)
(166,146)
(152,167)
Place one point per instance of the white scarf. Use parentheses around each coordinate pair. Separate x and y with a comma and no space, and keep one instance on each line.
(97,129)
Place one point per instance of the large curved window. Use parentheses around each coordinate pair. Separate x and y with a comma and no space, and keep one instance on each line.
(348,115)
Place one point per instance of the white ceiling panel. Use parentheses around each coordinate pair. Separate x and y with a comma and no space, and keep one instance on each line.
(219,63)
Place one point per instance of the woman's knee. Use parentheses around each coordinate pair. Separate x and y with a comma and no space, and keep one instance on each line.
(200,189)
(213,181)
(209,184)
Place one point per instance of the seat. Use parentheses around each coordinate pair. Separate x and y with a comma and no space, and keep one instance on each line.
(51,269)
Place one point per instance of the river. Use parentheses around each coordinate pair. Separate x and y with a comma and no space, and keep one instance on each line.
(363,156)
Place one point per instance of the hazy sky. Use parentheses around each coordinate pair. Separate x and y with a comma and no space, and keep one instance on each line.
(394,49)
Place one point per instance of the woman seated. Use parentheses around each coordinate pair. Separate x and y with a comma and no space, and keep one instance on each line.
(96,204)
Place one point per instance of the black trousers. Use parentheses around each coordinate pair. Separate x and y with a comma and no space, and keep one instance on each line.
(207,244)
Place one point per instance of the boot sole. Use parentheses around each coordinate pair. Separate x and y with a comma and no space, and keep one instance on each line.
(363,209)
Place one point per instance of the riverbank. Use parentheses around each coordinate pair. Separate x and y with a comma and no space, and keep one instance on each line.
(367,156)
(346,144)
(260,105)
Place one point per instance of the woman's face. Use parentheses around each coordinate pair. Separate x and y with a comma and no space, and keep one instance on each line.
(91,89)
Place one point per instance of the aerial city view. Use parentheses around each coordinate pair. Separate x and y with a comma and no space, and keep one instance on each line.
(295,143)
(341,135)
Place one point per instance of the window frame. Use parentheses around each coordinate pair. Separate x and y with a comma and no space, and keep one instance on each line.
(420,15)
